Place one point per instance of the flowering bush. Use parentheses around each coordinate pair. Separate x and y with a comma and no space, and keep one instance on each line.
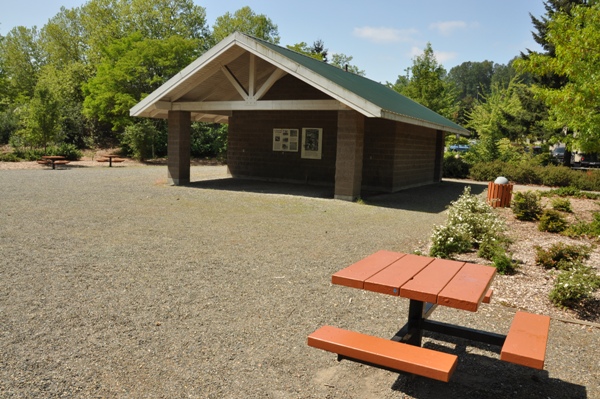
(574,285)
(471,222)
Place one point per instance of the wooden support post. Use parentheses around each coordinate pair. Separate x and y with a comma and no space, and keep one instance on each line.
(179,148)
(349,157)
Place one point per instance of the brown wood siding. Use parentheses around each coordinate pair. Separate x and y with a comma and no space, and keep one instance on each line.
(250,146)
(291,88)
(379,152)
(415,154)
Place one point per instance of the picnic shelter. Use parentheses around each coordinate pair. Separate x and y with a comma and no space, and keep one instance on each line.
(293,118)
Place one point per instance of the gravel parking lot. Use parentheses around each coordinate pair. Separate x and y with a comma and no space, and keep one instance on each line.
(115,285)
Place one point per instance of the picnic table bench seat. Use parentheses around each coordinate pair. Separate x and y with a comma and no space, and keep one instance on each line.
(43,162)
(384,353)
(61,162)
(108,160)
(526,340)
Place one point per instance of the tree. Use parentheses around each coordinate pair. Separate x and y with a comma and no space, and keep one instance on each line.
(21,60)
(41,120)
(573,106)
(305,49)
(132,68)
(343,61)
(472,78)
(246,21)
(495,117)
(426,83)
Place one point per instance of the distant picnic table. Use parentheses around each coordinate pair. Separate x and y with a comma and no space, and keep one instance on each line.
(53,160)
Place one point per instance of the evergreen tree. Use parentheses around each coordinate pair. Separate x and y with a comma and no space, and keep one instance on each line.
(426,83)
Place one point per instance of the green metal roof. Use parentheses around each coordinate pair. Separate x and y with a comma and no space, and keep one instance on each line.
(374,92)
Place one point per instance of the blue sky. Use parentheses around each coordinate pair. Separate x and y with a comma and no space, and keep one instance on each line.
(383,36)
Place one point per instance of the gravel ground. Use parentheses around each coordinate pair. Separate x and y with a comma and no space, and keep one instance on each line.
(115,285)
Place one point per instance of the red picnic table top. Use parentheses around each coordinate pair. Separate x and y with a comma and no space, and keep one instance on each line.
(444,282)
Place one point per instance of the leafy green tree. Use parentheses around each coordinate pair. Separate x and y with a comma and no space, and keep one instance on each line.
(41,120)
(246,21)
(472,78)
(343,61)
(21,60)
(494,118)
(132,68)
(305,49)
(574,38)
(426,83)
(318,51)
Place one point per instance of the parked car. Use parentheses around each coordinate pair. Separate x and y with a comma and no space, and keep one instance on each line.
(558,155)
(459,148)
(589,160)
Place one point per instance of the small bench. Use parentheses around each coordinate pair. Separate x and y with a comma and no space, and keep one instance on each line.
(384,353)
(61,162)
(526,340)
(43,162)
(102,160)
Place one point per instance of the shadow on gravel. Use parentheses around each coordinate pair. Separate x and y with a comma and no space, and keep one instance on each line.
(433,198)
(264,187)
(483,377)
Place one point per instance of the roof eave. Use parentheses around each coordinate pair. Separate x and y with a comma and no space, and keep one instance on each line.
(180,78)
(385,114)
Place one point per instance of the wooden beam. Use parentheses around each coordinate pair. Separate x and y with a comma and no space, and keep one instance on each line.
(234,82)
(296,105)
(251,76)
(271,80)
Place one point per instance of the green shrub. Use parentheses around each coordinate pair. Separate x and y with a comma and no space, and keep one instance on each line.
(471,221)
(552,221)
(568,191)
(526,205)
(487,171)
(504,264)
(208,140)
(574,285)
(9,157)
(524,173)
(490,248)
(560,255)
(69,151)
(580,229)
(556,176)
(454,166)
(144,140)
(588,180)
(562,204)
(528,172)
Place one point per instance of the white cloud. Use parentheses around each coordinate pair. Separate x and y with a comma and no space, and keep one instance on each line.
(448,27)
(385,35)
(444,56)
(440,56)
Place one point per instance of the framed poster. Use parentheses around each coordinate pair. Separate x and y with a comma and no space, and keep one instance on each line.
(312,141)
(285,140)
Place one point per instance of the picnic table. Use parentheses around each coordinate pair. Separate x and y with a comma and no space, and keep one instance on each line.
(427,283)
(110,159)
(53,160)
